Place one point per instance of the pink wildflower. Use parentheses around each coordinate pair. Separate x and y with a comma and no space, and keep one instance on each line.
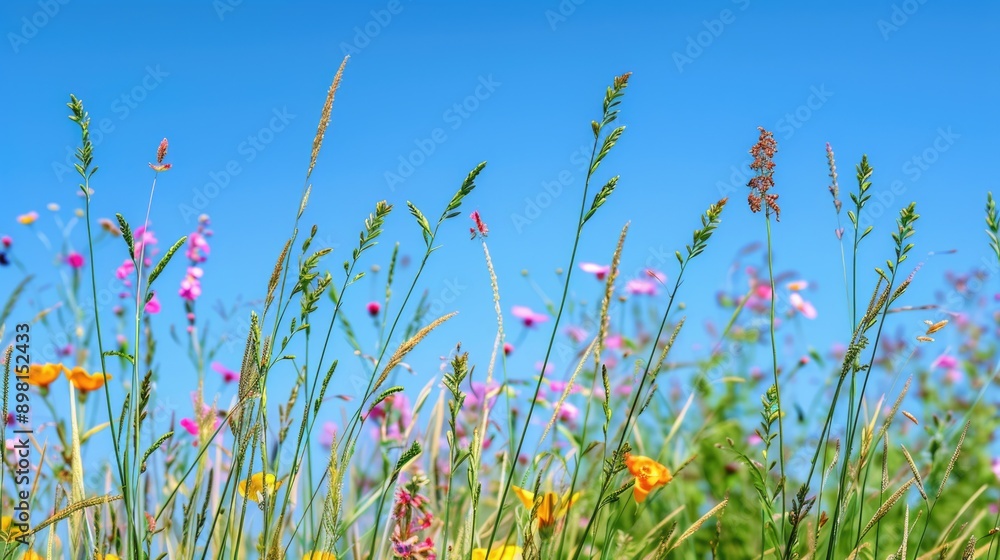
(599,271)
(74,260)
(373,308)
(153,305)
(637,287)
(528,317)
(802,306)
(228,375)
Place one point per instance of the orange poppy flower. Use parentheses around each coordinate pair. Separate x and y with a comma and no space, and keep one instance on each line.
(551,508)
(42,375)
(648,474)
(86,382)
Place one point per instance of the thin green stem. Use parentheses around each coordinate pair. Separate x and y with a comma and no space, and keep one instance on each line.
(777,389)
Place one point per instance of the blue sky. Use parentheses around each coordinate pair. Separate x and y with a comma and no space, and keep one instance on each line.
(237,88)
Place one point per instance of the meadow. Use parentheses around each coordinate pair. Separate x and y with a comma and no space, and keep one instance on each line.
(322,445)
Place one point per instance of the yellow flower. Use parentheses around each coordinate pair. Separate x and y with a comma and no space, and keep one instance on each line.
(319,556)
(28,219)
(648,475)
(86,382)
(108,557)
(42,375)
(509,552)
(8,531)
(551,508)
(32,555)
(258,485)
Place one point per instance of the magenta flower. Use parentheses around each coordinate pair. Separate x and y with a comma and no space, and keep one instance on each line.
(191,284)
(228,375)
(197,247)
(10,419)
(802,306)
(144,244)
(6,241)
(373,308)
(190,425)
(528,317)
(507,348)
(945,361)
(480,225)
(124,271)
(74,260)
(613,342)
(153,305)
(995,465)
(598,270)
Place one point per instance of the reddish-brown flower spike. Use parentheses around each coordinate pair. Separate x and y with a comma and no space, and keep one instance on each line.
(762,181)
(161,152)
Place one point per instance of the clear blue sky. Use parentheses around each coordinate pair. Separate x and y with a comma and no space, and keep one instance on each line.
(896,80)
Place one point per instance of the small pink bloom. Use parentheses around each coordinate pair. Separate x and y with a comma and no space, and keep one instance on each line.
(10,419)
(190,425)
(802,306)
(576,333)
(191,285)
(549,368)
(641,287)
(228,375)
(327,435)
(507,348)
(153,305)
(125,270)
(754,439)
(995,465)
(568,413)
(527,316)
(65,350)
(373,308)
(6,241)
(598,270)
(945,361)
(74,260)
(762,291)
(613,342)
(197,247)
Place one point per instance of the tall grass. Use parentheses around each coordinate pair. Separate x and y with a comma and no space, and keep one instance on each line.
(632,453)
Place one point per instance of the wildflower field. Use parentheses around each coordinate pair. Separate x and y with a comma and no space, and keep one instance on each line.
(285,392)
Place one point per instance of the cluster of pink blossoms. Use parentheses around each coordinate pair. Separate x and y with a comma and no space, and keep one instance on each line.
(144,245)
(197,251)
(411,516)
